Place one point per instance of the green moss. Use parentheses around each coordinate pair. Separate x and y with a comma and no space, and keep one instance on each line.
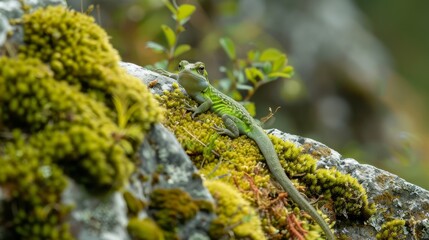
(68,110)
(171,207)
(134,204)
(240,163)
(234,214)
(33,189)
(345,191)
(78,51)
(75,136)
(392,230)
(145,229)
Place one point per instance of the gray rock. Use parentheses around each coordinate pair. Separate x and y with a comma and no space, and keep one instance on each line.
(161,157)
(394,197)
(96,217)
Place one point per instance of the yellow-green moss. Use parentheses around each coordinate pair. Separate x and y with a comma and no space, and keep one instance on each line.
(134,204)
(239,162)
(235,216)
(171,207)
(344,190)
(392,230)
(78,51)
(145,229)
(68,109)
(78,137)
(33,188)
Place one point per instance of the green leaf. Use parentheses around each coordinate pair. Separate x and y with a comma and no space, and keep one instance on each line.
(250,107)
(288,69)
(184,12)
(279,74)
(251,55)
(155,46)
(254,75)
(236,95)
(169,35)
(180,29)
(170,6)
(266,67)
(242,63)
(228,46)
(279,63)
(239,75)
(244,87)
(271,54)
(181,49)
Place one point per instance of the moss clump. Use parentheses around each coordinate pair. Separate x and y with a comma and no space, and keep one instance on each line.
(32,187)
(345,191)
(239,162)
(134,204)
(70,42)
(78,51)
(234,214)
(392,230)
(78,137)
(145,229)
(171,207)
(68,109)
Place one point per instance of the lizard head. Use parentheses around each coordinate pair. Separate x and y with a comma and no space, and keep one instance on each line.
(193,77)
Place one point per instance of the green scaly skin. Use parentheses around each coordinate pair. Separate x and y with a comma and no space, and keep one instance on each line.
(193,77)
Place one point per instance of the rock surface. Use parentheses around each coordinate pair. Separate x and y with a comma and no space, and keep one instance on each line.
(105,217)
(394,197)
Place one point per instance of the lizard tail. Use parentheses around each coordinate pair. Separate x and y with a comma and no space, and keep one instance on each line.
(266,147)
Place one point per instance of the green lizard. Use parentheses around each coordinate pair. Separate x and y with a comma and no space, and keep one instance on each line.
(194,79)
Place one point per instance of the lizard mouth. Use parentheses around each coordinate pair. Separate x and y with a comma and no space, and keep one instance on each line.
(190,76)
(192,81)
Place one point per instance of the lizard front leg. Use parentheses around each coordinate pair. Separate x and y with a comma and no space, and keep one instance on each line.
(231,128)
(203,107)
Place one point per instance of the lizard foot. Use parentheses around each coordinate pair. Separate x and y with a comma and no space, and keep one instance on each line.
(191,108)
(223,131)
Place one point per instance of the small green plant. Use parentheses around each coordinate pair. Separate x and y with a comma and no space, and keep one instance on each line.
(181,14)
(244,76)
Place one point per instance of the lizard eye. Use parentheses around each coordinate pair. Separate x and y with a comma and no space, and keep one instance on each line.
(201,69)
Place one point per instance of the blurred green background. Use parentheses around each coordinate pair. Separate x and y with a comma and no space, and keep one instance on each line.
(360,83)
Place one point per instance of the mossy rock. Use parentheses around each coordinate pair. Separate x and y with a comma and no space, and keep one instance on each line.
(68,111)
(239,162)
(392,230)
